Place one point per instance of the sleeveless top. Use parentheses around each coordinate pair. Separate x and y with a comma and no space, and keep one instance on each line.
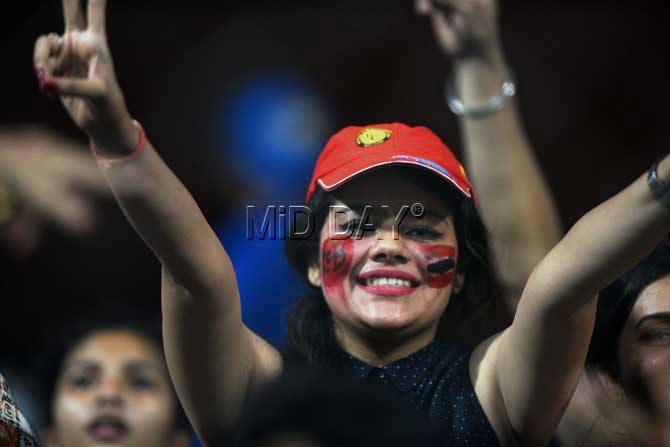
(436,380)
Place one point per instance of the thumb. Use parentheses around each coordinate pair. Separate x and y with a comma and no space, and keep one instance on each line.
(445,33)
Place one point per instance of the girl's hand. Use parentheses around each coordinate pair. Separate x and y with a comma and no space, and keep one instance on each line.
(78,68)
(463,28)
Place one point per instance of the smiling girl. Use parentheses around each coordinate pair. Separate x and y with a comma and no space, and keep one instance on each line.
(385,303)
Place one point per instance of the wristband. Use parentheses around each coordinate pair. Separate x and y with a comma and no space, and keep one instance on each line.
(483,109)
(108,161)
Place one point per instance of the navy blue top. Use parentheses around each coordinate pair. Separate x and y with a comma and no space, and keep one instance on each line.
(436,380)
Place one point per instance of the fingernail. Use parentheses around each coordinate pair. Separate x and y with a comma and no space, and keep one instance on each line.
(41,77)
(49,87)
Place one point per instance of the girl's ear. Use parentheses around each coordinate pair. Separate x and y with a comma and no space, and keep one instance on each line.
(314,275)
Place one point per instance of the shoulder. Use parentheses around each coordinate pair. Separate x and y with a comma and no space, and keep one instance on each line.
(482,369)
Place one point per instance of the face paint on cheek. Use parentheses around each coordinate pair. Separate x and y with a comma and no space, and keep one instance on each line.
(336,255)
(441,262)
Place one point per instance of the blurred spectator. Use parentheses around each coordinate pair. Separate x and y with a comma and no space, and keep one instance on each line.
(630,354)
(45,179)
(318,409)
(108,383)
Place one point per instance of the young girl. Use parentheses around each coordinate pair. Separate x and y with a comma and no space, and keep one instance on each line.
(108,384)
(386,291)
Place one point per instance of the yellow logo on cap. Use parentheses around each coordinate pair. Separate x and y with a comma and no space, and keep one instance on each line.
(370,137)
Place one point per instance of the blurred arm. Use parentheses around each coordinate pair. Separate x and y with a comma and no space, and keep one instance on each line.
(513,196)
(540,358)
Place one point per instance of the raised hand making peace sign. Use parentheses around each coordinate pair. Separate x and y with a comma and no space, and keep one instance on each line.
(77,67)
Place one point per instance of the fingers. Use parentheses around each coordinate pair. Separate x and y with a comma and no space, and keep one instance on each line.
(444,31)
(96,15)
(78,87)
(45,57)
(73,15)
(62,207)
(81,171)
(42,55)
(446,7)
(452,6)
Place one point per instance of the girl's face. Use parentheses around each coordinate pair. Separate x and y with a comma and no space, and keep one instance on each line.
(114,390)
(380,281)
(644,345)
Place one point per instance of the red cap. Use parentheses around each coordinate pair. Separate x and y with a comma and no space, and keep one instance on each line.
(354,150)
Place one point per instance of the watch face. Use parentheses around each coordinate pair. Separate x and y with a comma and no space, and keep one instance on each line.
(657,186)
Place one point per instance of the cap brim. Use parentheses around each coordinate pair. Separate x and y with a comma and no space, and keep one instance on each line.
(343,174)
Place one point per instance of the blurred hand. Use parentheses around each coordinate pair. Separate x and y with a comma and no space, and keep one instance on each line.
(463,28)
(77,67)
(52,181)
(628,418)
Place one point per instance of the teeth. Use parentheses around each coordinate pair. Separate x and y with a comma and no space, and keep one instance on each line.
(396,282)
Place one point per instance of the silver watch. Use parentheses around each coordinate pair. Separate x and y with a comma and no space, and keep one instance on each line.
(486,108)
(660,188)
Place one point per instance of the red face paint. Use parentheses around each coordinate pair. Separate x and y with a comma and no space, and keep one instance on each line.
(438,253)
(336,255)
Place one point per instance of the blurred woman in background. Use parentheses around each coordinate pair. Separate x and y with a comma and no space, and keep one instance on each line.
(108,384)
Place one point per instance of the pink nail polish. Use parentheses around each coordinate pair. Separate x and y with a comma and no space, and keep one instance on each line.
(49,87)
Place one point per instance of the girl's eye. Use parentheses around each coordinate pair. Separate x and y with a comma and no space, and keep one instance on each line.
(422,232)
(81,381)
(354,227)
(656,337)
(142,383)
(350,225)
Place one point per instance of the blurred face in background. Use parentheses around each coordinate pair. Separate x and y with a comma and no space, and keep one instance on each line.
(114,390)
(644,346)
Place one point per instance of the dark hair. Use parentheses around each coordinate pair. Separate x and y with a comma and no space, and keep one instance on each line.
(51,364)
(475,313)
(616,302)
(332,411)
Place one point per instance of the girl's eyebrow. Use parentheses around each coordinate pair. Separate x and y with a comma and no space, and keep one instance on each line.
(662,316)
(139,365)
(80,364)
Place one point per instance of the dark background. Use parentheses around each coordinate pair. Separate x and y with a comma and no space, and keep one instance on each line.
(592,86)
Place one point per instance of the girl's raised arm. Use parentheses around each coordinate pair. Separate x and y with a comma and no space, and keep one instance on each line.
(536,364)
(512,194)
(213,358)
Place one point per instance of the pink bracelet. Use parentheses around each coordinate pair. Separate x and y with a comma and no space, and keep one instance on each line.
(111,161)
